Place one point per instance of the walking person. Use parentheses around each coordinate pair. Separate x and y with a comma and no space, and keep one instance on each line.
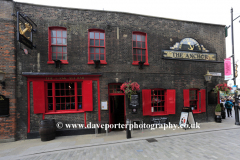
(228,106)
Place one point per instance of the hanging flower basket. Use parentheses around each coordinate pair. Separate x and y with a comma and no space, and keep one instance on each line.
(130,88)
(222,87)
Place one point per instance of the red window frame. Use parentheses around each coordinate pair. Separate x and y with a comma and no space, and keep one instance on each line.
(192,98)
(64,96)
(138,47)
(158,101)
(169,102)
(60,48)
(95,47)
(115,88)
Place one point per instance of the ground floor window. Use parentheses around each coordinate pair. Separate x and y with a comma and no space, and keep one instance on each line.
(196,99)
(64,96)
(53,97)
(158,101)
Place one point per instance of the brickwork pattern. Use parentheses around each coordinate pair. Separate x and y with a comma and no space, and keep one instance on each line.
(8,65)
(161,34)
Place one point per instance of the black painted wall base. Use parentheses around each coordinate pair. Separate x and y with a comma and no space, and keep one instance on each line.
(69,132)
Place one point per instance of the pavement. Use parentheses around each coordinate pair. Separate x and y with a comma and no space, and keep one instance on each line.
(211,141)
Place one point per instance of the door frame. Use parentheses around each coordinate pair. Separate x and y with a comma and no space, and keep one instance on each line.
(115,94)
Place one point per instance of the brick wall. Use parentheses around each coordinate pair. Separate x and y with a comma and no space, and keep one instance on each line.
(162,34)
(8,65)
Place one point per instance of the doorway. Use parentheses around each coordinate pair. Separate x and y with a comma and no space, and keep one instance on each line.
(117,111)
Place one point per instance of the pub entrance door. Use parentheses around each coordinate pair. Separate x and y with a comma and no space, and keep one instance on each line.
(117,110)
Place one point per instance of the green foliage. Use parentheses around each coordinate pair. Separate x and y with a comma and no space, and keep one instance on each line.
(218,108)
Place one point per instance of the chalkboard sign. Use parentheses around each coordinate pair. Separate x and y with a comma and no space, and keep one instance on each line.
(134,102)
(4,106)
(160,120)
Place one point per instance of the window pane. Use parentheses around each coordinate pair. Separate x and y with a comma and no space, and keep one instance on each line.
(139,51)
(57,92)
(101,50)
(96,35)
(64,49)
(59,40)
(49,94)
(139,58)
(49,85)
(79,99)
(143,38)
(134,37)
(53,56)
(97,56)
(57,106)
(134,51)
(134,43)
(91,42)
(101,42)
(62,106)
(59,49)
(101,35)
(138,38)
(143,45)
(143,59)
(53,49)
(92,35)
(139,44)
(96,42)
(64,34)
(53,33)
(79,105)
(143,52)
(91,56)
(96,50)
(62,86)
(102,57)
(50,106)
(64,56)
(64,41)
(80,92)
(59,34)
(134,57)
(91,50)
(59,56)
(53,40)
(79,85)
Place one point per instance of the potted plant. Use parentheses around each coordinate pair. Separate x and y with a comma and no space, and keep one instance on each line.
(130,88)
(218,117)
(222,87)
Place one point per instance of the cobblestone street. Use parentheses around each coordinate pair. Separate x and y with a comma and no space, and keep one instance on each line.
(224,144)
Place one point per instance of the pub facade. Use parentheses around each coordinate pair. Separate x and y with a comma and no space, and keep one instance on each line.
(80,58)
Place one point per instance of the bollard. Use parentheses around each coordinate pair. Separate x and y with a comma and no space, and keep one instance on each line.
(128,132)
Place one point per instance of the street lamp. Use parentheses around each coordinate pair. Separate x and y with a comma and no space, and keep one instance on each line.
(208,78)
(2,76)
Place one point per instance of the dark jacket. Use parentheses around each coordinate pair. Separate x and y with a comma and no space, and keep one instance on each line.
(226,105)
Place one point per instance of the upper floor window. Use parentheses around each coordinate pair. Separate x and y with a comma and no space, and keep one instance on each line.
(57,38)
(196,99)
(140,51)
(158,102)
(96,46)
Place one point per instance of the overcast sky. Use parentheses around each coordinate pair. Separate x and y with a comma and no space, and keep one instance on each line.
(207,11)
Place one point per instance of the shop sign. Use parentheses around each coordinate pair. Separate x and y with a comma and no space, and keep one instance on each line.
(189,49)
(25,29)
(186,117)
